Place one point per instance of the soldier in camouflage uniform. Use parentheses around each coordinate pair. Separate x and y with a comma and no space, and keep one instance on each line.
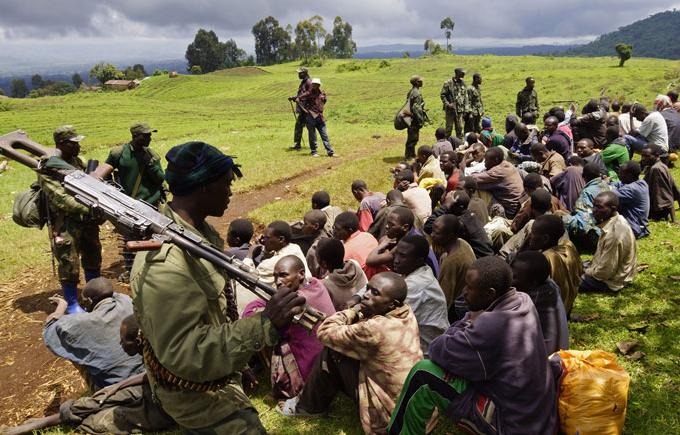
(194,344)
(527,99)
(473,122)
(74,232)
(418,117)
(454,97)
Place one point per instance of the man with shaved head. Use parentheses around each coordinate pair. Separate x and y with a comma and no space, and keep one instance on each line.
(489,372)
(473,160)
(551,162)
(614,263)
(321,200)
(555,139)
(584,149)
(368,352)
(313,224)
(369,203)
(502,180)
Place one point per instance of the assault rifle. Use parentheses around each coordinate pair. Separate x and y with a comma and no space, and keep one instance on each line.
(144,222)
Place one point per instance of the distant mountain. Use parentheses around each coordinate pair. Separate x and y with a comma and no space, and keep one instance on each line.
(656,36)
(398,50)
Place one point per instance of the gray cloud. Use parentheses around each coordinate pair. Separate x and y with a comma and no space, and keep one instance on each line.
(383,20)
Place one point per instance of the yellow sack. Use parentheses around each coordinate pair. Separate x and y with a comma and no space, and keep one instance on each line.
(593,393)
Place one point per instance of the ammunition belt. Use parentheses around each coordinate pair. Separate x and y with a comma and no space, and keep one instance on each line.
(168,380)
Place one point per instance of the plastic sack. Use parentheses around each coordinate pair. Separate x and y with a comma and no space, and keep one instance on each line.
(593,394)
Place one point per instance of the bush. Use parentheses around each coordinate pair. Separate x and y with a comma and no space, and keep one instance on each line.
(55,88)
(158,73)
(351,66)
(313,62)
(384,64)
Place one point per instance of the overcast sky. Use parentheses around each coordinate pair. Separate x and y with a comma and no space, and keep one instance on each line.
(161,29)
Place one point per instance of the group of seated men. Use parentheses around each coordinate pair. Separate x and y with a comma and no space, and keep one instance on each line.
(460,279)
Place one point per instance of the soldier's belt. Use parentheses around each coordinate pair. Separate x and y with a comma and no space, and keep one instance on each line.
(167,379)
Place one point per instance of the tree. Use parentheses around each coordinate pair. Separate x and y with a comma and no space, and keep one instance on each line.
(52,88)
(233,56)
(339,43)
(18,88)
(319,32)
(206,52)
(139,68)
(305,39)
(76,80)
(625,51)
(104,72)
(37,81)
(272,42)
(196,70)
(447,25)
(432,47)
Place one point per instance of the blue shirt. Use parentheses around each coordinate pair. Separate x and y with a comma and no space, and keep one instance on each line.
(92,340)
(634,205)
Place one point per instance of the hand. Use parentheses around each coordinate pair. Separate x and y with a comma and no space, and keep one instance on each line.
(449,200)
(57,300)
(146,157)
(109,391)
(386,242)
(353,301)
(403,185)
(254,251)
(282,307)
(572,107)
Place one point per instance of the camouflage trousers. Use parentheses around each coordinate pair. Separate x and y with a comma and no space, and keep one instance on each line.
(412,136)
(128,410)
(473,122)
(77,242)
(241,422)
(454,118)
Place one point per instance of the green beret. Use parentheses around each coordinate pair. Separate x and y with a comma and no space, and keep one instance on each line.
(195,164)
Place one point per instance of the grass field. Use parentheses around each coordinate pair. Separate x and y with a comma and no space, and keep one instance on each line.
(245,113)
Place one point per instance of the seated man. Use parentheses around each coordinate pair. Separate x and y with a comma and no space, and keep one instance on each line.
(358,244)
(369,203)
(322,201)
(581,225)
(456,257)
(584,149)
(399,224)
(394,200)
(614,263)
(568,184)
(90,339)
(663,192)
(520,147)
(473,160)
(425,296)
(312,227)
(238,238)
(489,372)
(456,203)
(614,153)
(417,198)
(532,182)
(502,180)
(127,406)
(531,275)
(652,130)
(633,196)
(429,164)
(442,145)
(551,162)
(344,278)
(287,381)
(448,163)
(555,139)
(477,206)
(368,352)
(274,245)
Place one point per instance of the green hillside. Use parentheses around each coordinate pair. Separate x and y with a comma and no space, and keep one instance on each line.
(656,36)
(245,113)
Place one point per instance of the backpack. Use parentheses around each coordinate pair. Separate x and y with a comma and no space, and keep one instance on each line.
(29,208)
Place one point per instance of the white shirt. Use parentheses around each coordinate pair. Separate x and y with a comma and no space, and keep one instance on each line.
(474,168)
(655,130)
(625,123)
(265,270)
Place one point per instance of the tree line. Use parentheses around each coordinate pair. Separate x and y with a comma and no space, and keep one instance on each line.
(308,41)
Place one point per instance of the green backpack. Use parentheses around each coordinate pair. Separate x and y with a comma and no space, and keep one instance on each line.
(29,208)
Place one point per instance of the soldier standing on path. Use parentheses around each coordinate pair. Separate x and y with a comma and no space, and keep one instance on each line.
(527,99)
(74,232)
(418,117)
(454,96)
(139,173)
(301,120)
(473,121)
(194,344)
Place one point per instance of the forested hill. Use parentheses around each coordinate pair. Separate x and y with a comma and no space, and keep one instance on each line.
(656,36)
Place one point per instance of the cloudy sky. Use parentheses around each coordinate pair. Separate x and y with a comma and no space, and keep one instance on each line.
(75,30)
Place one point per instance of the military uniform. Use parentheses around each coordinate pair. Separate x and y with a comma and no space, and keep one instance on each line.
(183,313)
(140,173)
(418,118)
(455,92)
(473,122)
(304,89)
(527,101)
(76,235)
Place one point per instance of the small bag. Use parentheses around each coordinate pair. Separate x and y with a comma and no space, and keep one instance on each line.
(403,118)
(286,379)
(29,208)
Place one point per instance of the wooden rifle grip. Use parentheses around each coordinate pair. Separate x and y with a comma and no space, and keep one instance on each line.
(143,245)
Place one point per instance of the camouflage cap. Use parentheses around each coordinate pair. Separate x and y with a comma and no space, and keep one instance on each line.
(66,133)
(302,69)
(141,128)
(459,71)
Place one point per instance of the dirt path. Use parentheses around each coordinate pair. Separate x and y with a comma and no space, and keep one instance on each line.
(33,382)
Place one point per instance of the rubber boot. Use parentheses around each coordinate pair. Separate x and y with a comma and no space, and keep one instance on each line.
(91,274)
(70,290)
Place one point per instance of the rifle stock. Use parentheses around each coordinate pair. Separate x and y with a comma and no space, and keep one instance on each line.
(12,143)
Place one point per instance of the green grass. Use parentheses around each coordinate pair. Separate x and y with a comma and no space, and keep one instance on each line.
(247,115)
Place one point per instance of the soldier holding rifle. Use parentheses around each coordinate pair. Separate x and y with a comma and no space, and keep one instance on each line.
(300,119)
(194,344)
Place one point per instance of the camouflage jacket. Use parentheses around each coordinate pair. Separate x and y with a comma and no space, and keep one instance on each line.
(181,306)
(475,100)
(527,101)
(455,91)
(417,104)
(62,204)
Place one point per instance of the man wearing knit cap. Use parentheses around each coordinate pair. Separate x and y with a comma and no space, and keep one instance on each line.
(194,344)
